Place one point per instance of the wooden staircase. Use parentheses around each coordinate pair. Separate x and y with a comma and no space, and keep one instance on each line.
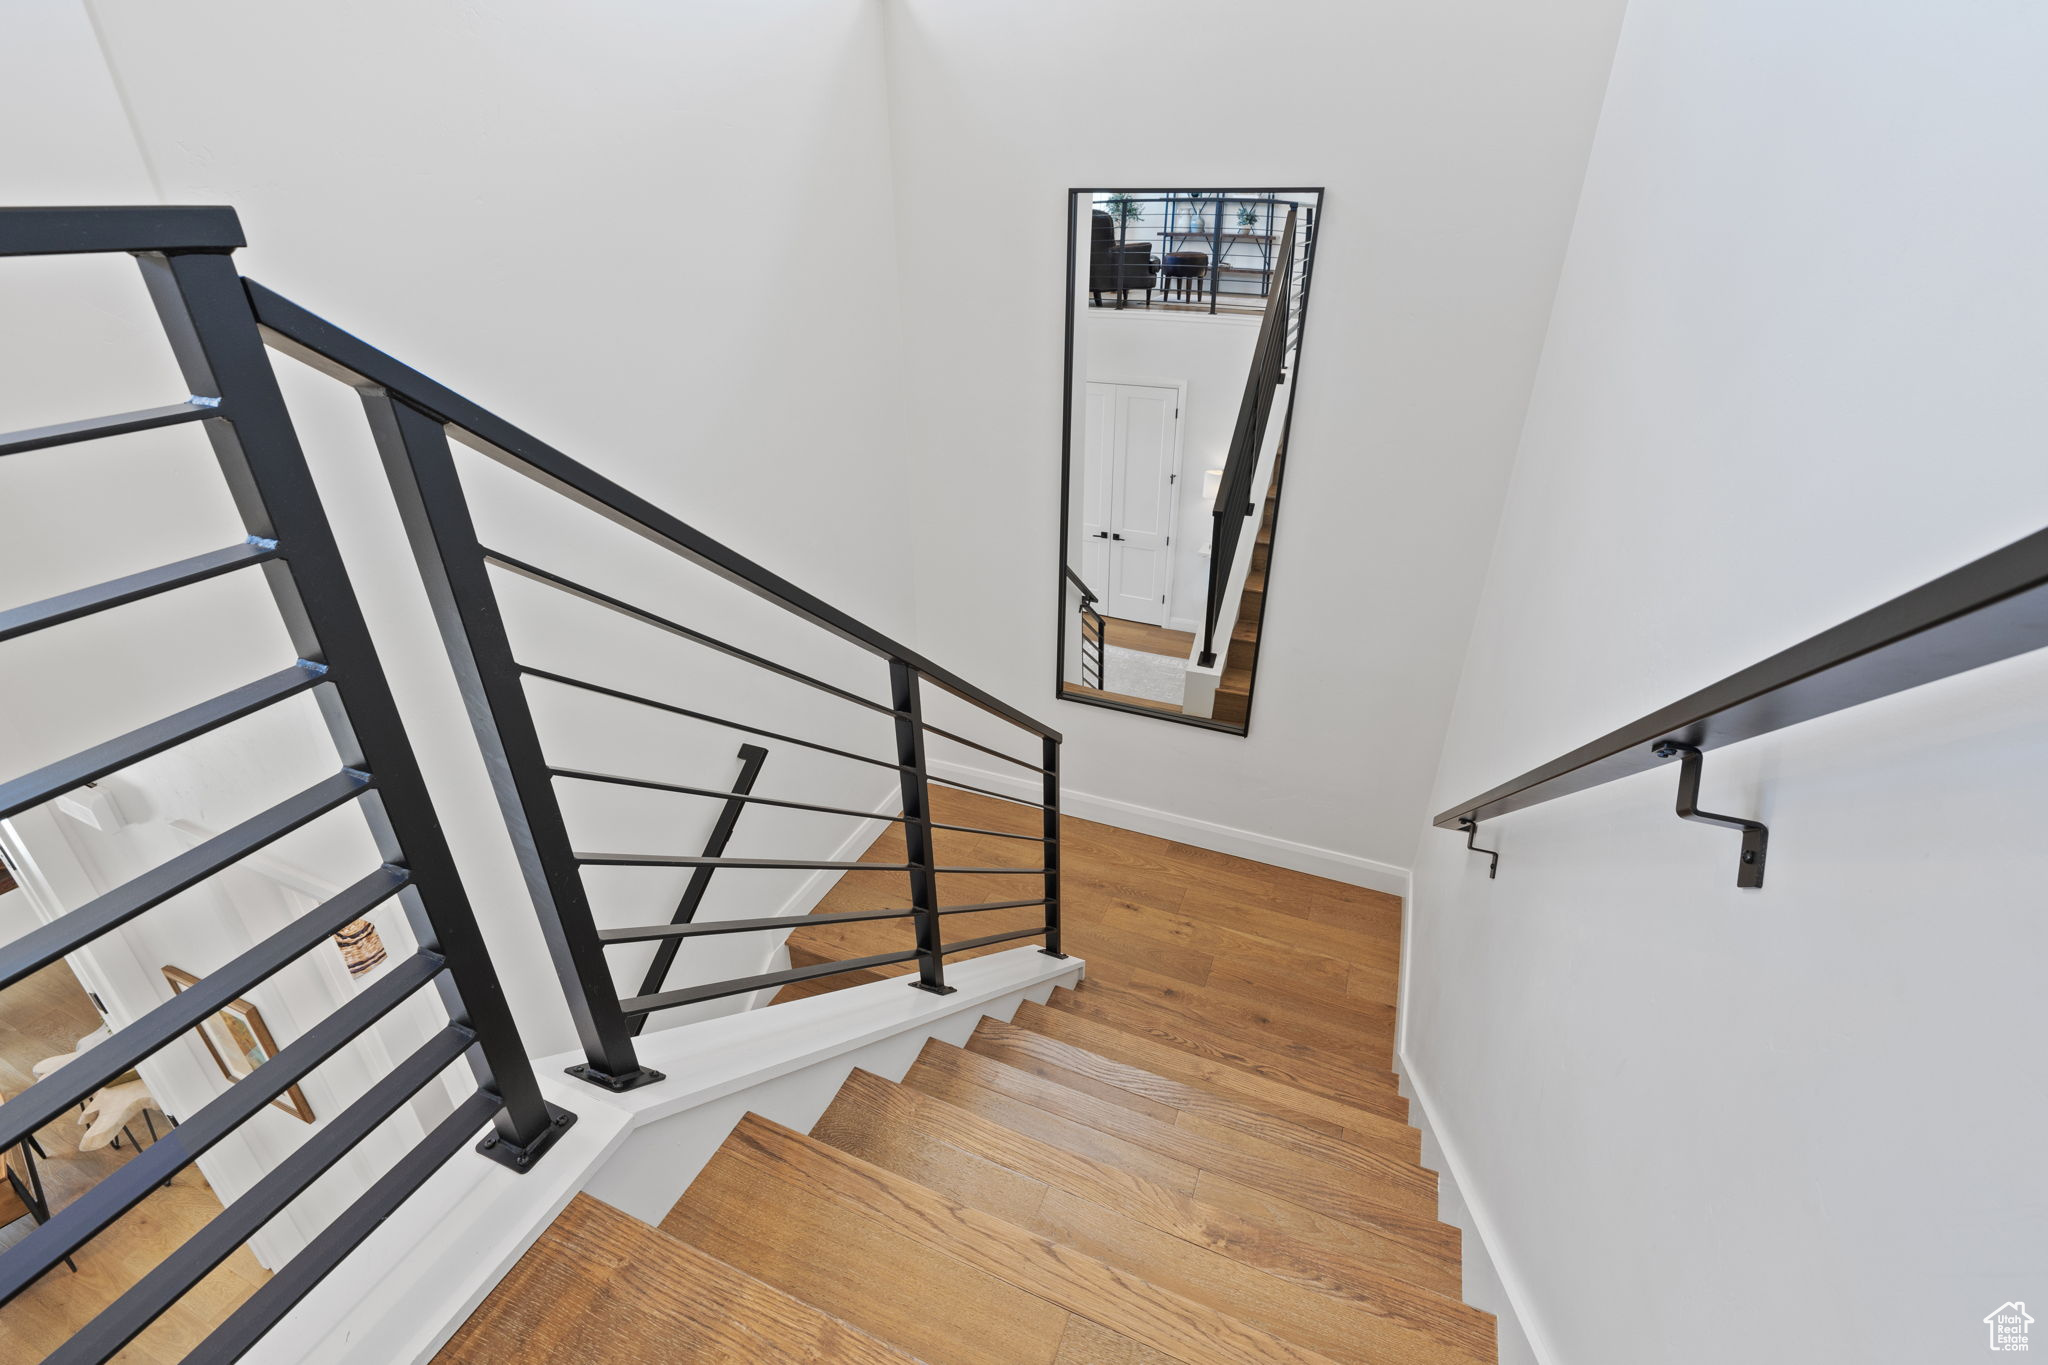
(1234,688)
(1198,1155)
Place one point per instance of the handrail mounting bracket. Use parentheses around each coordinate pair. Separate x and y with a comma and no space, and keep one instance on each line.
(1755,836)
(1471,828)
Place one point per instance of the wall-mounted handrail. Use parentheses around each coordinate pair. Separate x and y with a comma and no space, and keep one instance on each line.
(1990,609)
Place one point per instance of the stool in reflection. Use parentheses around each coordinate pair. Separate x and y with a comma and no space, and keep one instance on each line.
(1185,275)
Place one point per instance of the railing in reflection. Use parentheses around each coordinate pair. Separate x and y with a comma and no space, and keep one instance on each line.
(1236,500)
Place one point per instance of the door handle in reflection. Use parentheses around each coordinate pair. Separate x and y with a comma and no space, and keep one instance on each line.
(1116,536)
(1102,535)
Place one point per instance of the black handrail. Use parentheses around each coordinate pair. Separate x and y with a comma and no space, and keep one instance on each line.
(184,255)
(1993,608)
(1234,493)
(412,418)
(310,338)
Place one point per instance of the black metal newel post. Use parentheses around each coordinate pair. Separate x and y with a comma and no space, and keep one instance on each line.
(752,756)
(1216,253)
(421,467)
(918,842)
(1051,752)
(214,337)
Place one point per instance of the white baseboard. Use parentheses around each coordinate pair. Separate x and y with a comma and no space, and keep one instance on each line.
(1478,1226)
(1243,843)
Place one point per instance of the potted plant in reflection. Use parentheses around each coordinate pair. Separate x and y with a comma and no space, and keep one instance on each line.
(1247,218)
(1124,208)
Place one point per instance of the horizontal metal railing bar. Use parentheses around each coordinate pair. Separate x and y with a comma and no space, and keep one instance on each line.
(991,833)
(775,864)
(583,775)
(700,928)
(114,424)
(70,606)
(646,617)
(984,791)
(931,729)
(985,940)
(991,905)
(133,1182)
(47,942)
(718,990)
(735,926)
(69,774)
(264,1309)
(51,1097)
(1990,609)
(326,347)
(90,228)
(684,711)
(125,1318)
(696,860)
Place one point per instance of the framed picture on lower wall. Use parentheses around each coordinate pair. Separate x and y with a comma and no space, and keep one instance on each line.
(240,1042)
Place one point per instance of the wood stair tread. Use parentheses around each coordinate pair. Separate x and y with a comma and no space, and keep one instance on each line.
(1398,1323)
(961,1077)
(926,1138)
(1381,1100)
(566,1299)
(1250,1020)
(1192,1105)
(904,1258)
(1335,1076)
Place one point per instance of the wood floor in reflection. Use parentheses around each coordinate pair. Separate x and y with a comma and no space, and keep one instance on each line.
(43,1016)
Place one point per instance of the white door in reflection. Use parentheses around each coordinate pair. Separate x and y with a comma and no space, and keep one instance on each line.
(1132,464)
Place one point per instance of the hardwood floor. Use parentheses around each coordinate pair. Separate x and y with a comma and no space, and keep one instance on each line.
(44,1015)
(1174,644)
(1199,1154)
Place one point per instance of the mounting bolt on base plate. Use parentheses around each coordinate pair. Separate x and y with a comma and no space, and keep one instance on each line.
(583,1071)
(522,1159)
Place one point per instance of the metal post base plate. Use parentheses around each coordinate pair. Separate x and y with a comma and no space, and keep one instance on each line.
(522,1159)
(935,990)
(632,1080)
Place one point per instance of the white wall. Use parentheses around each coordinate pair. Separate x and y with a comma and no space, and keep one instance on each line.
(1450,137)
(1793,370)
(597,223)
(1211,356)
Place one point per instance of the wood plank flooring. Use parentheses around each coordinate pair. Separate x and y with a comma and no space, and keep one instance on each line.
(1199,1154)
(44,1015)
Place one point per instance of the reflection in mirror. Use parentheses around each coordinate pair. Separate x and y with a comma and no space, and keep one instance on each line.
(1184,325)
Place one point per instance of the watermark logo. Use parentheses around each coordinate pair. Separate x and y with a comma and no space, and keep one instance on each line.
(2008,1324)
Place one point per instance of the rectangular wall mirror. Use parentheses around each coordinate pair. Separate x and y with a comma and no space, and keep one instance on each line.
(1184,325)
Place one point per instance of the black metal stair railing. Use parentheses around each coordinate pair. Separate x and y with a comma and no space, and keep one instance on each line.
(1236,505)
(1094,632)
(412,418)
(185,260)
